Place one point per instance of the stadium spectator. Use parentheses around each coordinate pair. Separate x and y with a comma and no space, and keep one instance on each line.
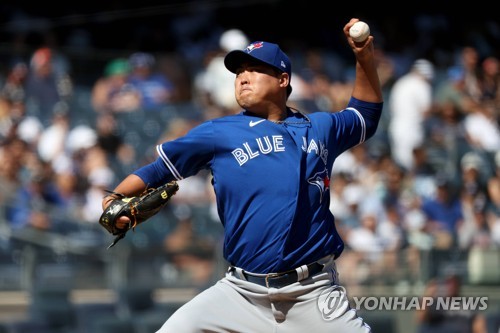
(493,205)
(391,230)
(482,128)
(366,258)
(443,214)
(452,91)
(6,121)
(432,318)
(52,141)
(38,202)
(14,86)
(99,178)
(111,140)
(417,230)
(489,80)
(214,84)
(48,83)
(446,139)
(468,59)
(12,114)
(30,130)
(410,102)
(421,176)
(155,88)
(111,92)
(473,231)
(10,178)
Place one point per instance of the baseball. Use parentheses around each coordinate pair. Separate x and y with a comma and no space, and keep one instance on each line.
(359,31)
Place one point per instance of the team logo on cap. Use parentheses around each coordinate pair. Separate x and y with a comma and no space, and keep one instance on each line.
(254,46)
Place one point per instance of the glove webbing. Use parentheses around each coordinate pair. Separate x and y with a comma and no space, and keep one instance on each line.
(133,212)
(130,226)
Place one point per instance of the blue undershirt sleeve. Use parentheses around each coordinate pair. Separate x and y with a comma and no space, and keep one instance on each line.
(370,111)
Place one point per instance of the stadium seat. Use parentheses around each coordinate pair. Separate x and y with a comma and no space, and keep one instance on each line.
(52,306)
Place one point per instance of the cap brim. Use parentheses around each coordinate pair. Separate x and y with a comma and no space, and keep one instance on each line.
(234,59)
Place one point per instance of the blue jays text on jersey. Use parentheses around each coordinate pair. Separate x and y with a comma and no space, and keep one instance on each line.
(274,143)
(271,180)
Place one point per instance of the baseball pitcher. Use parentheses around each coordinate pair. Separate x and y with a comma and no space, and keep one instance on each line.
(271,168)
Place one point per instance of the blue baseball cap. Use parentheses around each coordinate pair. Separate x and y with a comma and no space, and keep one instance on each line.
(260,52)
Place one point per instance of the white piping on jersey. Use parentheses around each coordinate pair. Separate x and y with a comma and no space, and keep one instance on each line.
(169,164)
(363,124)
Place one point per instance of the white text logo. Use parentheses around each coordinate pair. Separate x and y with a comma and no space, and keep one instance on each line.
(452,303)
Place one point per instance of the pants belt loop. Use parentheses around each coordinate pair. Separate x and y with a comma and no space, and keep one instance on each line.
(239,273)
(335,273)
(302,272)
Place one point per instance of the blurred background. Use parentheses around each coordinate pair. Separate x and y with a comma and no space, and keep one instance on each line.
(86,91)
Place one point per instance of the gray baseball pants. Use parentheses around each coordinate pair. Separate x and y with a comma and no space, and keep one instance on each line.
(316,304)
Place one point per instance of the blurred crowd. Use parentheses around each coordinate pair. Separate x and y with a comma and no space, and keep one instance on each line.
(429,179)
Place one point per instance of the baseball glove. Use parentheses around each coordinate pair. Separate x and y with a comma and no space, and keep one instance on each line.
(137,208)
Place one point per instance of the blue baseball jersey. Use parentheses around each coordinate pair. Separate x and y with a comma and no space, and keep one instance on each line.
(271,180)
